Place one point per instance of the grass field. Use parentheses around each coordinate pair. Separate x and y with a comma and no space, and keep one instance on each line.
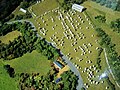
(58,37)
(94,9)
(10,36)
(44,6)
(6,83)
(30,63)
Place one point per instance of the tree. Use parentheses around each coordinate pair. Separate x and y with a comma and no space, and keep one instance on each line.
(9,70)
(115,25)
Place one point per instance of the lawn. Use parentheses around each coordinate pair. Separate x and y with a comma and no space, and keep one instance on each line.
(6,83)
(46,5)
(10,36)
(30,63)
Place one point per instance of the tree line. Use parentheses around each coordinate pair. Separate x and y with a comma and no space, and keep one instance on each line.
(21,44)
(7,7)
(113,4)
(115,25)
(113,57)
(98,59)
(10,70)
(67,4)
(68,81)
(23,16)
(100,18)
(26,3)
(28,42)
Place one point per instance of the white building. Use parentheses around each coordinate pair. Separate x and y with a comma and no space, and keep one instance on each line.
(77,7)
(23,10)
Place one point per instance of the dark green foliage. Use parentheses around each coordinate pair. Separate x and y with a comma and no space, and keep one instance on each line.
(25,43)
(9,70)
(20,45)
(115,25)
(23,16)
(47,49)
(113,4)
(26,3)
(100,50)
(101,18)
(114,59)
(118,6)
(7,6)
(11,16)
(67,4)
(110,84)
(48,81)
(69,80)
(6,28)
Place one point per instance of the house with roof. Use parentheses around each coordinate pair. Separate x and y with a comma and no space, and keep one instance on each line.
(77,7)
(58,64)
(23,10)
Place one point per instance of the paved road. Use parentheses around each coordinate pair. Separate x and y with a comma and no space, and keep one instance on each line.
(76,72)
(70,64)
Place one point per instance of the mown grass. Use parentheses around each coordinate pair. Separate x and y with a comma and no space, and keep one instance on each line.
(67,44)
(30,63)
(44,6)
(7,83)
(10,36)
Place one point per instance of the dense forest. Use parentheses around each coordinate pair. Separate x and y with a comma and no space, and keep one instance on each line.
(67,81)
(113,4)
(7,7)
(28,42)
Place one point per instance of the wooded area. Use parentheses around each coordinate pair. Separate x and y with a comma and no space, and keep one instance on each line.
(7,7)
(25,43)
(113,4)
(67,4)
(115,25)
(68,81)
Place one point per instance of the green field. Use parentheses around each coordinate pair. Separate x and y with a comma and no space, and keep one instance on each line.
(10,37)
(35,62)
(6,83)
(44,6)
(30,63)
(58,37)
